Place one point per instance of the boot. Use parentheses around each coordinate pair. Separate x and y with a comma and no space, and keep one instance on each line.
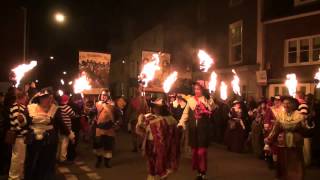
(107,162)
(99,161)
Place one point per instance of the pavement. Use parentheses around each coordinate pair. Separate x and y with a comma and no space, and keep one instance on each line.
(126,165)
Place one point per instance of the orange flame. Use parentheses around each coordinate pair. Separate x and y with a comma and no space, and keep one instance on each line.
(169,81)
(223,91)
(81,84)
(292,84)
(213,82)
(205,61)
(149,70)
(235,83)
(317,77)
(20,71)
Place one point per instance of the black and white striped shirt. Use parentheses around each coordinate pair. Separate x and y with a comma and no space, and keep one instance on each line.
(16,110)
(67,113)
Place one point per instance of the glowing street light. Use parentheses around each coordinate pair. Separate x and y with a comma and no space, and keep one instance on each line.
(59,17)
(51,57)
(64,72)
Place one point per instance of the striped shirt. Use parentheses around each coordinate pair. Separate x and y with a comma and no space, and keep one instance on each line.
(67,114)
(16,111)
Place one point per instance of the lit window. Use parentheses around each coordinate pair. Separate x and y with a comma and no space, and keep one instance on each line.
(302,51)
(235,43)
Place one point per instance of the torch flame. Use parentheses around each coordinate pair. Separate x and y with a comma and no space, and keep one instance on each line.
(205,61)
(213,82)
(235,83)
(169,81)
(317,77)
(60,92)
(223,91)
(149,70)
(62,81)
(292,84)
(20,71)
(81,84)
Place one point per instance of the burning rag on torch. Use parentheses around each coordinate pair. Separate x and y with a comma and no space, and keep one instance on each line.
(292,84)
(235,83)
(20,71)
(205,61)
(81,84)
(223,91)
(213,82)
(170,81)
(317,77)
(149,70)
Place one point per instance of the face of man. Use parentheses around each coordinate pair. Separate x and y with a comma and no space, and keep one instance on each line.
(277,102)
(104,96)
(197,91)
(288,106)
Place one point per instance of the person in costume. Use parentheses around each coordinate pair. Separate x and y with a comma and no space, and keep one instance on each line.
(269,120)
(104,131)
(287,134)
(196,119)
(19,125)
(161,143)
(42,140)
(235,135)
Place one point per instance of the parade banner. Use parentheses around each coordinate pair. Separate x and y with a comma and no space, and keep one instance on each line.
(161,75)
(97,67)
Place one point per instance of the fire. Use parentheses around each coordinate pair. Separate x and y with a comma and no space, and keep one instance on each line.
(213,82)
(169,81)
(81,84)
(292,84)
(149,70)
(317,77)
(20,71)
(223,91)
(205,61)
(235,83)
(60,92)
(62,81)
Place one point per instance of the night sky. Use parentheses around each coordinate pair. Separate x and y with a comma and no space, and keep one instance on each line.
(95,25)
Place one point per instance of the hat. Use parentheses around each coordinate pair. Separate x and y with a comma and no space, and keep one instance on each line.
(158,102)
(277,97)
(235,102)
(42,93)
(64,99)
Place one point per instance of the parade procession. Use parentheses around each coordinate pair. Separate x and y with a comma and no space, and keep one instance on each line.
(198,90)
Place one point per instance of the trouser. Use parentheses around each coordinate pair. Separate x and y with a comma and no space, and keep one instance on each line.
(72,147)
(199,159)
(40,161)
(104,146)
(63,148)
(307,151)
(17,159)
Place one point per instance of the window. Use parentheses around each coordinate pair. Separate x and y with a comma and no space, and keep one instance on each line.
(235,43)
(282,90)
(235,2)
(302,51)
(302,2)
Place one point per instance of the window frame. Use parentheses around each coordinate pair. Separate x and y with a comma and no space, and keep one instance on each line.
(299,2)
(298,51)
(233,25)
(309,87)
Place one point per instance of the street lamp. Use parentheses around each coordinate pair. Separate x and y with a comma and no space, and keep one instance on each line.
(59,17)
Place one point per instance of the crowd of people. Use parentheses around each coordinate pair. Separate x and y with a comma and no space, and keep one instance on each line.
(39,129)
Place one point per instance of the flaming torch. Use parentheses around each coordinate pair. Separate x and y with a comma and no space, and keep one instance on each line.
(60,92)
(235,83)
(149,70)
(213,82)
(205,61)
(317,78)
(20,71)
(169,81)
(223,91)
(292,84)
(81,84)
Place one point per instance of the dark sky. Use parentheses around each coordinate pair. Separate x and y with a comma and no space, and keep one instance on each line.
(92,25)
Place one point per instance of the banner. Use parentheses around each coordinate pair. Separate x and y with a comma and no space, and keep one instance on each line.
(161,75)
(97,67)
